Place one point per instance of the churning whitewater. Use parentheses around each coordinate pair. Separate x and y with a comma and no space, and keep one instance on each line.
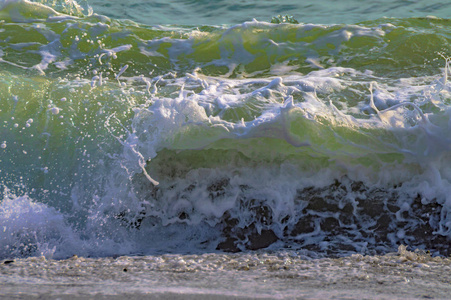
(124,138)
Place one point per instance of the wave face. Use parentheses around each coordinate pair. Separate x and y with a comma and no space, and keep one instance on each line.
(123,138)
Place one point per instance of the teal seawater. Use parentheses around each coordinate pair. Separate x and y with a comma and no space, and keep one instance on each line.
(200,12)
(199,126)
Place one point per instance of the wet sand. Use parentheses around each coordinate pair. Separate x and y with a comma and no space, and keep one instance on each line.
(256,275)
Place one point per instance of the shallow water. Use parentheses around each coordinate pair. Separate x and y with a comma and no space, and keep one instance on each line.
(260,275)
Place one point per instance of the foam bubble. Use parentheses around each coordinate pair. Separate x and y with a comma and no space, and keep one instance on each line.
(55,110)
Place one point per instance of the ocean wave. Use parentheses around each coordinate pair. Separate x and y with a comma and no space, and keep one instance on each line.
(135,138)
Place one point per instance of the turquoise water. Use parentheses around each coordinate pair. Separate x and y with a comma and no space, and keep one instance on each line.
(198,127)
(235,12)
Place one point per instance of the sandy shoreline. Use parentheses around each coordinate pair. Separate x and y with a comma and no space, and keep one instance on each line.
(259,275)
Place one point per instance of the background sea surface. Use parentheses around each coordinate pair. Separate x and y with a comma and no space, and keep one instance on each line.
(235,12)
(155,127)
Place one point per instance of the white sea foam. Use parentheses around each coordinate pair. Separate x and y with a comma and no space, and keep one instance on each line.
(30,228)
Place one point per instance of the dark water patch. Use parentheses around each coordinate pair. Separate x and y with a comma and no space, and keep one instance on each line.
(343,218)
(333,221)
(340,219)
